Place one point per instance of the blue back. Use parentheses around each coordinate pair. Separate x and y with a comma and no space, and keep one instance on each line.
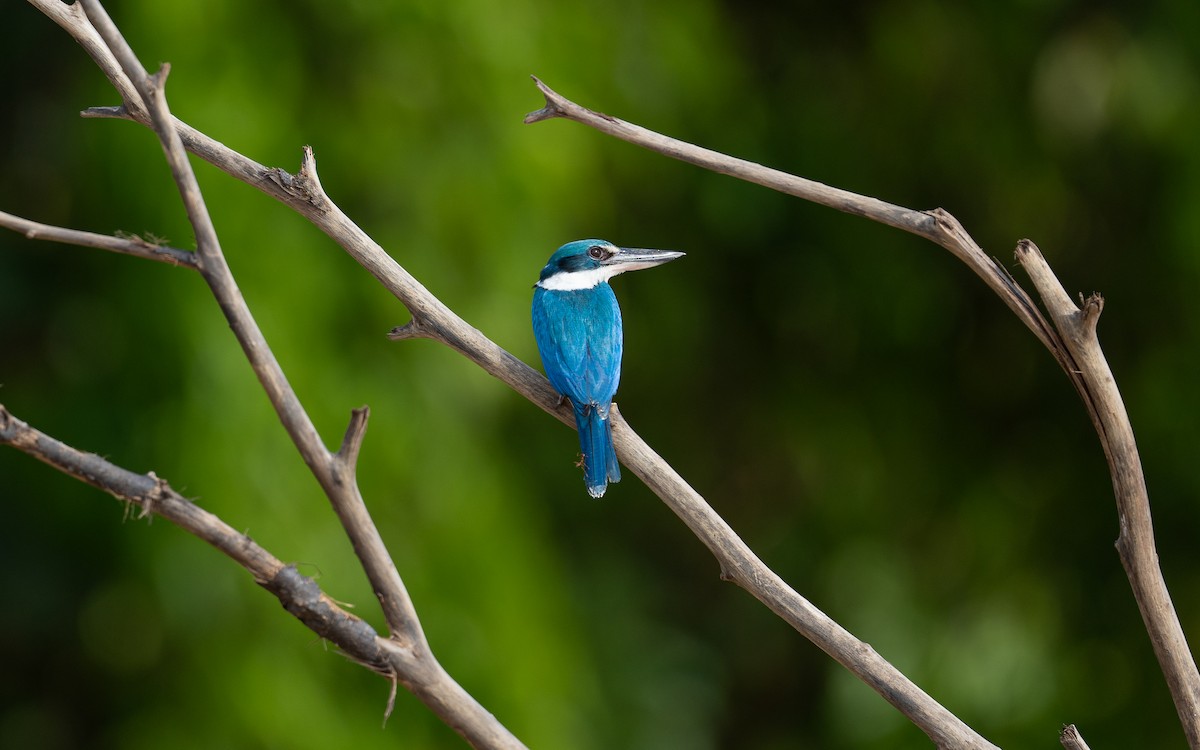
(578,335)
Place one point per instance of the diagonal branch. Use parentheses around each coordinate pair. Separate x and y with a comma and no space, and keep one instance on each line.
(299,595)
(936,225)
(335,472)
(368,544)
(1071,340)
(433,319)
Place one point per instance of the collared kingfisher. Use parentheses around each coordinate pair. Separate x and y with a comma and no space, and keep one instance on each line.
(577,324)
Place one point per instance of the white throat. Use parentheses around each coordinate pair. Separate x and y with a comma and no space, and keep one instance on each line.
(574,282)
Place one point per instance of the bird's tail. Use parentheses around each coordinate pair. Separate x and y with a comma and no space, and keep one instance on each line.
(595,441)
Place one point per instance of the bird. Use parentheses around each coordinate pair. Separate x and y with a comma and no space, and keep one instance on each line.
(577,326)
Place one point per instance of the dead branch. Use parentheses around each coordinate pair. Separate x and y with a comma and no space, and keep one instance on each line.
(299,595)
(1071,340)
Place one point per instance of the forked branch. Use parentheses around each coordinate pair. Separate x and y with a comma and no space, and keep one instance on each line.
(1135,541)
(1071,340)
(433,319)
(144,99)
(299,595)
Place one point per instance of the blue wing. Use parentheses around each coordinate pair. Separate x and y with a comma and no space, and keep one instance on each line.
(578,335)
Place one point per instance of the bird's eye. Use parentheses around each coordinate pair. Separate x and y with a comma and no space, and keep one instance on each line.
(597,252)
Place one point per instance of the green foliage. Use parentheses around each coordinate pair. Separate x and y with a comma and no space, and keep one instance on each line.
(860,408)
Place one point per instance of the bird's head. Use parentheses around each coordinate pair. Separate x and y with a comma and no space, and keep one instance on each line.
(583,264)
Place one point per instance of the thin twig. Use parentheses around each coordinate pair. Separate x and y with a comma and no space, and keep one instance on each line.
(130,245)
(154,495)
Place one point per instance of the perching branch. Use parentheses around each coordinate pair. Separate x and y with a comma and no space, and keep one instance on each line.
(433,319)
(1072,341)
(937,225)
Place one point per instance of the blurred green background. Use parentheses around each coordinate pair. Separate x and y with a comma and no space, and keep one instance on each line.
(871,420)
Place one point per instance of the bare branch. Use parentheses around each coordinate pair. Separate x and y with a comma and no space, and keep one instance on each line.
(917,222)
(1071,340)
(299,595)
(433,319)
(72,18)
(1135,544)
(368,544)
(335,472)
(129,245)
(740,565)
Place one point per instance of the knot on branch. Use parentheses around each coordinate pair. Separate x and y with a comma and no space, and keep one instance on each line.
(944,223)
(304,186)
(413,329)
(148,500)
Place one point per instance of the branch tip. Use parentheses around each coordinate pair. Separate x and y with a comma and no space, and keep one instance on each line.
(355,431)
(1070,738)
(159,79)
(552,108)
(308,180)
(391,702)
(308,163)
(410,330)
(1090,309)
